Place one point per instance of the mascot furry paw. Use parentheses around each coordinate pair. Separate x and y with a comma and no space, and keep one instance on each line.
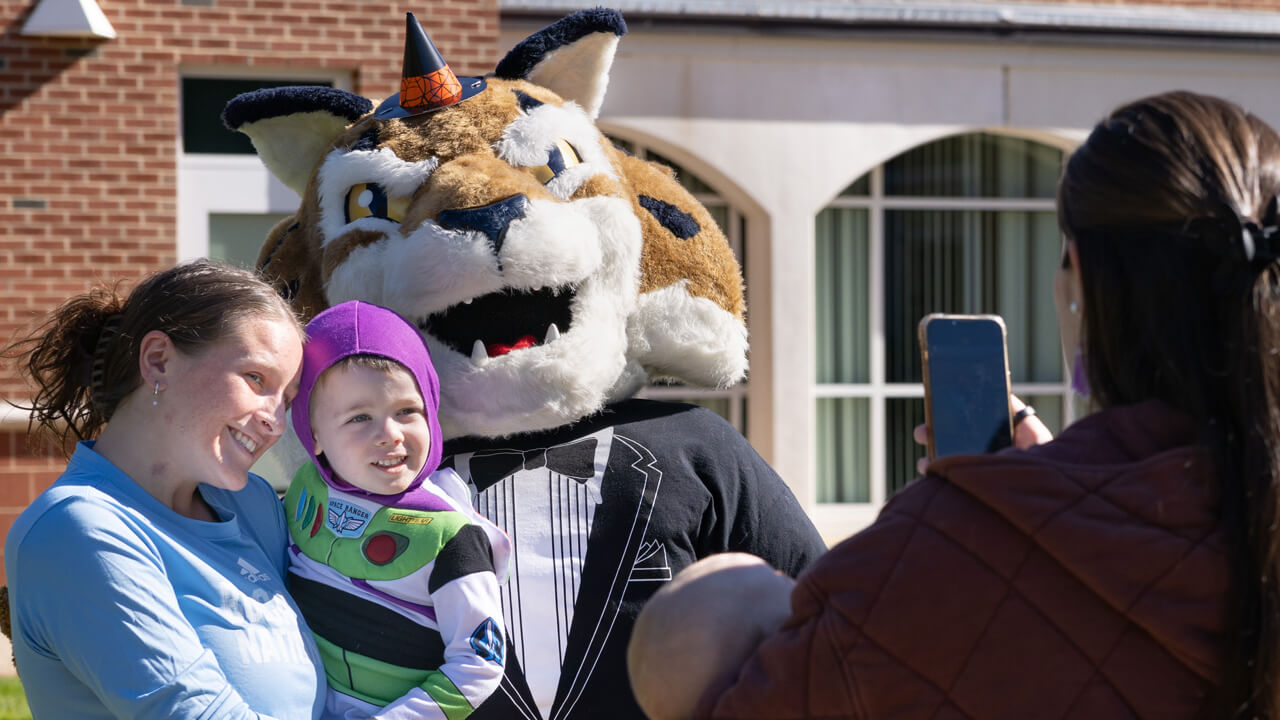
(552,275)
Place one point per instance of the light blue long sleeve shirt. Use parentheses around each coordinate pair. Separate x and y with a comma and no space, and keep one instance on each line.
(122,608)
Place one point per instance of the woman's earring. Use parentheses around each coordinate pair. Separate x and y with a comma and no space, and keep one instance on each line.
(1079,375)
(155,394)
(1074,307)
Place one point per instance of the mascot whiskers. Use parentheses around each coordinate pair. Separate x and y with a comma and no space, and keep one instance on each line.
(552,275)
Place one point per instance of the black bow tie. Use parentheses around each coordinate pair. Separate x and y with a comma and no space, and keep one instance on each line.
(576,460)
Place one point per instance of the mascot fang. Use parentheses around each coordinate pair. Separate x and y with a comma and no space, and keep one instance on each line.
(552,275)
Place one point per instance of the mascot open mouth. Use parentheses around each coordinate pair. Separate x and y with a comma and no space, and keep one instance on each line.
(497,323)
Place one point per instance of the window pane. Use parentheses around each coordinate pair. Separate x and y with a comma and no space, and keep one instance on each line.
(924,271)
(237,238)
(844,450)
(902,451)
(858,188)
(1027,249)
(202,103)
(841,291)
(1050,409)
(976,165)
(972,261)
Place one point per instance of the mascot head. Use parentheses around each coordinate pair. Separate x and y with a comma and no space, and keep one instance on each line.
(549,272)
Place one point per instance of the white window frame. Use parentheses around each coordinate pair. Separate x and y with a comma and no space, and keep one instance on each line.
(210,184)
(878,390)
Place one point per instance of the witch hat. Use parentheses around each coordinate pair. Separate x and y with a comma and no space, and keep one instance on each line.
(426,81)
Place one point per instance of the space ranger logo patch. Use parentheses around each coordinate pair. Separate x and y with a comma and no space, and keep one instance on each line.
(487,642)
(346,519)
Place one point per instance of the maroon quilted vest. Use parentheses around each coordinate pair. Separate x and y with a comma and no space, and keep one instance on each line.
(1086,578)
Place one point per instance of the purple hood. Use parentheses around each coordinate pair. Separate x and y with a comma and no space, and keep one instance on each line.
(359,328)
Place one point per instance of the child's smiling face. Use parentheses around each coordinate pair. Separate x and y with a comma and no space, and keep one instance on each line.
(371,426)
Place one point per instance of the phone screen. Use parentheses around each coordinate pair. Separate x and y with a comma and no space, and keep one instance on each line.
(966,384)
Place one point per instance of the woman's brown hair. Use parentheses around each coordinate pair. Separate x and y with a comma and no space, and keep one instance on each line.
(1168,202)
(83,360)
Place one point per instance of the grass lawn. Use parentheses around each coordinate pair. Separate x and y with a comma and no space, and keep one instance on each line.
(13,702)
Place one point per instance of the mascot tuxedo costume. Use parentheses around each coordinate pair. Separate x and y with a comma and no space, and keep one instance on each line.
(551,275)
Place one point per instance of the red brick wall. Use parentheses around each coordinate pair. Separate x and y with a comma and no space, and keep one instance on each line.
(89,128)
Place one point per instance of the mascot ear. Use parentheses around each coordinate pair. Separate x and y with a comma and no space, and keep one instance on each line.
(690,321)
(570,57)
(293,127)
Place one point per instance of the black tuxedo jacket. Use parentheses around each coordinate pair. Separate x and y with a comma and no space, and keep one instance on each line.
(629,496)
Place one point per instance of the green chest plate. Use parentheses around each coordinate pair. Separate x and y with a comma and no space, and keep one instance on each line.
(361,539)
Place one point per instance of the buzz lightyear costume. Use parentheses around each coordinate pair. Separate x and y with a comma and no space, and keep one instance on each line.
(401,591)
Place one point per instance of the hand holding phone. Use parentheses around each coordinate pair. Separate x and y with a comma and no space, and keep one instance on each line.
(966,384)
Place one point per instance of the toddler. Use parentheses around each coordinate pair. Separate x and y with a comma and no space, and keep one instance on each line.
(395,572)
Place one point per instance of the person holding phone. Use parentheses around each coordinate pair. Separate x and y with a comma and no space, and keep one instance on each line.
(1128,567)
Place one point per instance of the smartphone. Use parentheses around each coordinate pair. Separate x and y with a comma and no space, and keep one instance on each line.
(965,364)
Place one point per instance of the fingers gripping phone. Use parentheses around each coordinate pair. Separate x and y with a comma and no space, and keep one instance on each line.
(966,384)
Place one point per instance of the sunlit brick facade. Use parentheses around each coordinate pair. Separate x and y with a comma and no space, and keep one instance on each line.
(90,136)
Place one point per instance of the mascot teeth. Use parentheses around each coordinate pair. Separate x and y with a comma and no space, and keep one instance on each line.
(481,353)
(505,321)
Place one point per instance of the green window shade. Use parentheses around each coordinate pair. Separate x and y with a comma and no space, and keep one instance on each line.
(844,450)
(972,261)
(841,289)
(1028,248)
(978,165)
(238,238)
(902,415)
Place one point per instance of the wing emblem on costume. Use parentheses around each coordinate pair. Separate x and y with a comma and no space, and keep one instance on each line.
(346,519)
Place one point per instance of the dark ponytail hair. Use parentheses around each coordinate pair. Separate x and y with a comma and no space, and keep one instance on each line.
(1157,200)
(83,360)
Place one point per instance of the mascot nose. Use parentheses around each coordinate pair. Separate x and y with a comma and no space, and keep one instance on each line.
(492,220)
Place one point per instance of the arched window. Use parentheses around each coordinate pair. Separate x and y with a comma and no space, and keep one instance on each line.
(963,225)
(731,403)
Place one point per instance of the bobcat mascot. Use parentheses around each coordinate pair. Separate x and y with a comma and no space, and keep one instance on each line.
(552,275)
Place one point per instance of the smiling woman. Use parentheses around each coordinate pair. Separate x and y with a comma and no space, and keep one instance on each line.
(147,582)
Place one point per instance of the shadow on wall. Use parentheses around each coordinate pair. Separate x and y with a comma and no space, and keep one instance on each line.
(30,63)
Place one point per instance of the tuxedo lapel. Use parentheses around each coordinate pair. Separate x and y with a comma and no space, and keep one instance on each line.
(629,489)
(519,703)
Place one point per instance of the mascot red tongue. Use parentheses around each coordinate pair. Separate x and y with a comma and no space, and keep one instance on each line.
(552,276)
(525,341)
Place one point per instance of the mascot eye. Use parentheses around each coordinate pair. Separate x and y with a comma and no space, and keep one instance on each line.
(369,199)
(561,158)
